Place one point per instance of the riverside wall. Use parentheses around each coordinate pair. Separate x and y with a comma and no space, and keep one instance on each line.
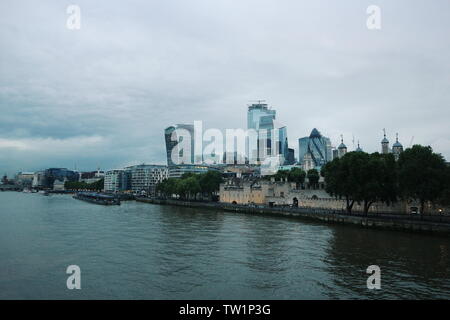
(405,222)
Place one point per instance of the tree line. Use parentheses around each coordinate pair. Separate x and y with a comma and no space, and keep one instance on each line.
(191,185)
(297,175)
(359,177)
(75,185)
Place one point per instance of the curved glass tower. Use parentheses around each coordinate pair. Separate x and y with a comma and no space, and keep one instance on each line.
(316,147)
(174,135)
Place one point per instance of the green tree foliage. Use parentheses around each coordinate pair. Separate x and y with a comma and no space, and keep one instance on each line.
(337,183)
(190,185)
(313,177)
(210,182)
(167,187)
(75,185)
(361,177)
(281,175)
(423,175)
(296,175)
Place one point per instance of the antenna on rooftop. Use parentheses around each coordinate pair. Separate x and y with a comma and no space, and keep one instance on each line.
(258,101)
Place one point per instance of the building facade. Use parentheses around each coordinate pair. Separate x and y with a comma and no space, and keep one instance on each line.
(174,135)
(270,193)
(116,180)
(145,177)
(91,176)
(179,170)
(24,179)
(61,174)
(38,179)
(314,151)
(271,139)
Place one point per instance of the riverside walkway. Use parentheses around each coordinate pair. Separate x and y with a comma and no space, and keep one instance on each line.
(407,222)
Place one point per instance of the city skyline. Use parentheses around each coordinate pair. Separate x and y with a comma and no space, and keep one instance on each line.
(101,96)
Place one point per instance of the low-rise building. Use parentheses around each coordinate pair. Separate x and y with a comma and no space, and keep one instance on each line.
(283,193)
(38,179)
(177,171)
(24,179)
(145,177)
(58,185)
(91,176)
(116,180)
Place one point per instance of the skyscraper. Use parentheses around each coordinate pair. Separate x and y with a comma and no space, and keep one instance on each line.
(315,149)
(259,116)
(262,119)
(175,135)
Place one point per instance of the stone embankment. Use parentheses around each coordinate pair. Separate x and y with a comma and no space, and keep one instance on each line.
(406,222)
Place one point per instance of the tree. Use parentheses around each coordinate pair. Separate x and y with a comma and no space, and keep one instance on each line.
(281,175)
(422,175)
(210,182)
(98,185)
(360,177)
(313,177)
(191,186)
(296,175)
(167,187)
(75,185)
(377,181)
(337,182)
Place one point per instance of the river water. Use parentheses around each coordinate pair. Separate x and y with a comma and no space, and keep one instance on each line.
(145,251)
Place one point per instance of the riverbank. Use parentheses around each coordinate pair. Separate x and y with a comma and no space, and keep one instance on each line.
(426,224)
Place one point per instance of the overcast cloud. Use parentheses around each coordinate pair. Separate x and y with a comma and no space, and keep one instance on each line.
(102,95)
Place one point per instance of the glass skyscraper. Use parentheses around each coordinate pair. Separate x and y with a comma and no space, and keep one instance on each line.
(315,147)
(259,118)
(173,136)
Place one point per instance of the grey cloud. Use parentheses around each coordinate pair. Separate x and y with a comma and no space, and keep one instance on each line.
(136,67)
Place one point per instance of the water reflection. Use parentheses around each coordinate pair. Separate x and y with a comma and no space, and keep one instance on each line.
(412,265)
(142,251)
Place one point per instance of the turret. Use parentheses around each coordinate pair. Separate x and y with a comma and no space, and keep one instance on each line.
(397,148)
(359,148)
(384,144)
(342,149)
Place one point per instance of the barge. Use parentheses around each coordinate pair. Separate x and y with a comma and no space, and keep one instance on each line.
(97,198)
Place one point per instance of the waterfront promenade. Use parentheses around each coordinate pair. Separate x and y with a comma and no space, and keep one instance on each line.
(406,222)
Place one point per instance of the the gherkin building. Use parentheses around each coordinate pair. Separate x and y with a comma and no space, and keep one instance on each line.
(317,147)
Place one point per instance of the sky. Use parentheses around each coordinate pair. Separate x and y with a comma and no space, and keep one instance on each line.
(101,95)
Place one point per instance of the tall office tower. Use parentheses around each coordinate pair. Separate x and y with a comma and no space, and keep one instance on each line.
(384,143)
(315,148)
(179,152)
(290,160)
(262,120)
(258,115)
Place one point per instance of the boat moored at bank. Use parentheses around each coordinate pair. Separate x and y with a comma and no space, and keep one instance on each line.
(97,198)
